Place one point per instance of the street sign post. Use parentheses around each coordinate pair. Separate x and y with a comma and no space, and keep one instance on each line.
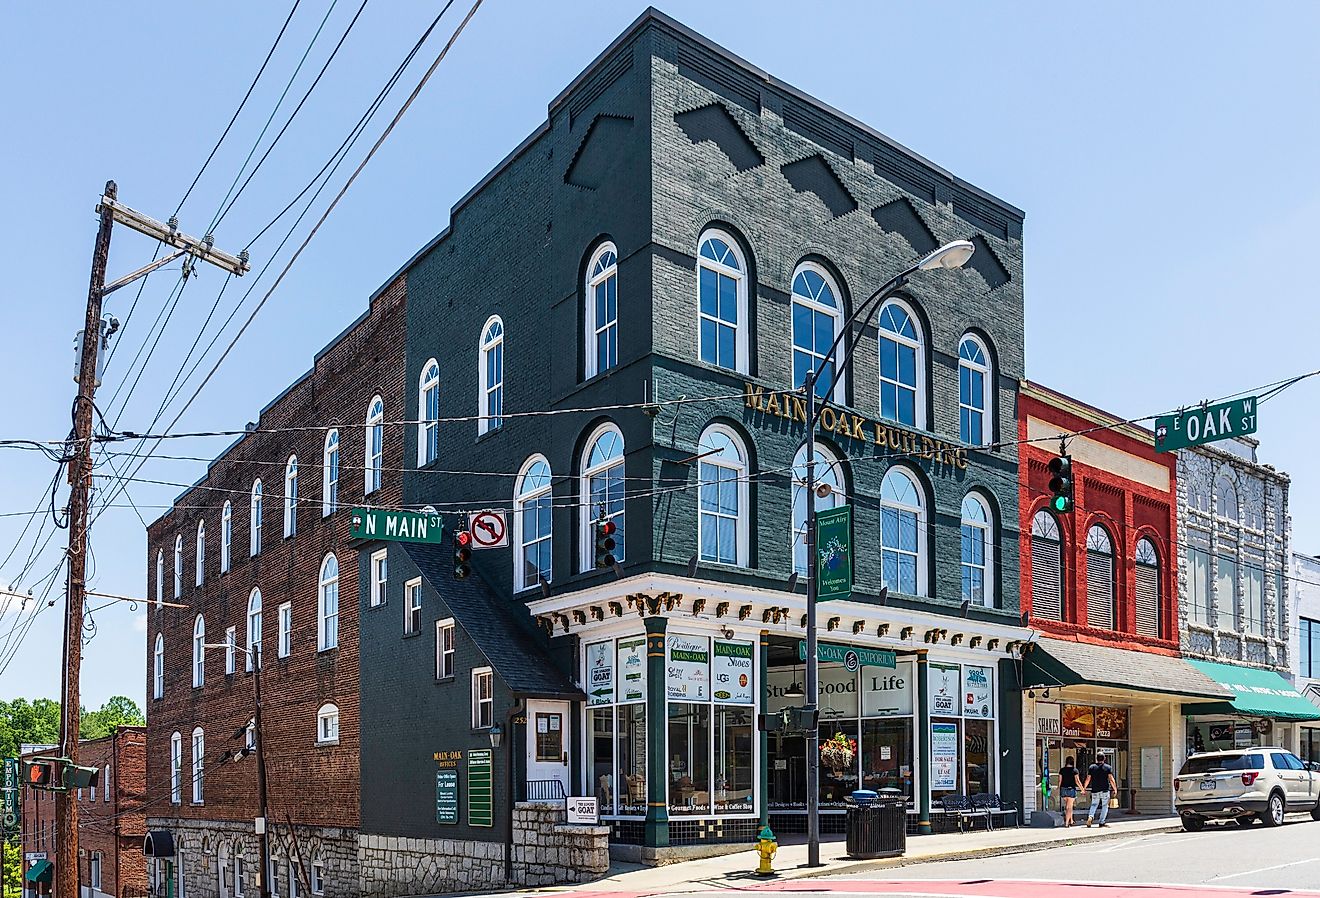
(833,553)
(1205,424)
(400,526)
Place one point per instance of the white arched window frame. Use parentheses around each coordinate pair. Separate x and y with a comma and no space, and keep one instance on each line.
(975,392)
(178,565)
(602,312)
(327,616)
(829,470)
(374,443)
(199,651)
(158,667)
(198,764)
(428,407)
(253,627)
(1226,498)
(902,365)
(330,473)
(291,497)
(1147,581)
(603,491)
(226,536)
(817,317)
(176,768)
(1100,593)
(533,525)
(722,525)
(160,578)
(722,302)
(199,559)
(254,521)
(490,397)
(978,541)
(903,533)
(327,725)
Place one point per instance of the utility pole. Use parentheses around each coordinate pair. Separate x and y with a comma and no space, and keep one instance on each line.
(263,836)
(80,482)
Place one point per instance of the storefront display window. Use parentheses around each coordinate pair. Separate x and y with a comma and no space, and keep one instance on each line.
(600,745)
(837,783)
(689,758)
(1227,733)
(886,749)
(735,752)
(632,759)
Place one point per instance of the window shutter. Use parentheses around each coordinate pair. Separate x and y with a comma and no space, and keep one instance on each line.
(1148,600)
(1100,590)
(1046,579)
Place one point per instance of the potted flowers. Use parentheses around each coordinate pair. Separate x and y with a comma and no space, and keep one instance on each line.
(838,752)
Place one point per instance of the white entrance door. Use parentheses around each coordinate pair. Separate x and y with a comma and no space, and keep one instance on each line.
(548,749)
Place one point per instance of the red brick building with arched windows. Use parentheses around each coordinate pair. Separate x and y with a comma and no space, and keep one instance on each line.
(1100,585)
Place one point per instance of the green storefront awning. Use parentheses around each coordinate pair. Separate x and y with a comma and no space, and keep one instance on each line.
(1257,693)
(40,871)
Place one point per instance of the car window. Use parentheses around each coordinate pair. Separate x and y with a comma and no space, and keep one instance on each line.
(1279,761)
(1215,763)
(1294,762)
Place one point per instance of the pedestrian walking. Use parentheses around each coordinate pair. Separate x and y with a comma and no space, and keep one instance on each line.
(1069,779)
(1101,783)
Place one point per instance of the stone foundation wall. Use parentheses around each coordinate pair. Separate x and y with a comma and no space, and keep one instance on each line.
(545,852)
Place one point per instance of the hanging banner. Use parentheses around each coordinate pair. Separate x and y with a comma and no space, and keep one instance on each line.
(687,667)
(944,756)
(732,673)
(945,690)
(978,692)
(632,669)
(600,673)
(834,561)
(12,803)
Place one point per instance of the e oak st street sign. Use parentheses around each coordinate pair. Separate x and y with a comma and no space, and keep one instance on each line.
(1205,424)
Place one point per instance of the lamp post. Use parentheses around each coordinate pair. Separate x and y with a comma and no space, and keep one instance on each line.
(951,255)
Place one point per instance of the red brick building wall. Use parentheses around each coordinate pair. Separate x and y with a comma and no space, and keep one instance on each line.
(311,783)
(1129,507)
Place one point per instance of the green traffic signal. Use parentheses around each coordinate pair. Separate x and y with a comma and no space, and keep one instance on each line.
(1062,504)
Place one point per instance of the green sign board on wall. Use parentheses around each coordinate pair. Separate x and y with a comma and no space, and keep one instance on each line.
(481,807)
(446,796)
(834,562)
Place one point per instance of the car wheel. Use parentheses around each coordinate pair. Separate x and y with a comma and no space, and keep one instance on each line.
(1273,813)
(1245,821)
(1193,824)
(1315,812)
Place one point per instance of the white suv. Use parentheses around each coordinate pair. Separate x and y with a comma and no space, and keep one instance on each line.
(1245,784)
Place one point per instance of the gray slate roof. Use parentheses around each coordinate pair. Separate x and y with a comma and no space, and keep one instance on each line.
(1061,662)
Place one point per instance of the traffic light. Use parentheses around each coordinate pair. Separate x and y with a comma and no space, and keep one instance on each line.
(462,554)
(40,773)
(76,777)
(1061,484)
(605,543)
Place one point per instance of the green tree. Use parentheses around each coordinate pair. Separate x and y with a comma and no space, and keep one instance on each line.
(23,721)
(12,874)
(118,711)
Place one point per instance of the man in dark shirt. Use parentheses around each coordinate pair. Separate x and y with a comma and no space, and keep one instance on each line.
(1101,783)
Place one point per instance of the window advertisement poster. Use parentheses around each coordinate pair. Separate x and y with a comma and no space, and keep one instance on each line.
(732,673)
(943,755)
(1079,721)
(600,673)
(945,690)
(1111,723)
(838,690)
(978,692)
(687,667)
(885,692)
(632,669)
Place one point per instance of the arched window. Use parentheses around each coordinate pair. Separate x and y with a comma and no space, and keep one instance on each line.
(533,506)
(160,578)
(817,314)
(199,558)
(722,302)
(327,725)
(176,768)
(491,398)
(828,471)
(199,651)
(375,446)
(226,536)
(1226,498)
(428,402)
(602,490)
(1099,579)
(330,474)
(902,363)
(722,497)
(198,763)
(291,497)
(1148,589)
(602,314)
(254,521)
(978,583)
(975,391)
(158,667)
(1046,567)
(253,627)
(178,566)
(902,534)
(327,617)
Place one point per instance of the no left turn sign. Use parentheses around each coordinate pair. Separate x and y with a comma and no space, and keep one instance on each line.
(489,530)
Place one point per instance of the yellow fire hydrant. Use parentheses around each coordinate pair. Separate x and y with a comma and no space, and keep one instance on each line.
(766,846)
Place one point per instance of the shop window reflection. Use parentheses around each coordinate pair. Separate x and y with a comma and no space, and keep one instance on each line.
(886,750)
(734,752)
(632,759)
(602,757)
(689,758)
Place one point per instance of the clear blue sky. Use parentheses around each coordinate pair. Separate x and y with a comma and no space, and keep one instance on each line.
(1165,154)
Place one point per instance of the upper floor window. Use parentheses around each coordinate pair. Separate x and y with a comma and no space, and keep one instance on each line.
(327,725)
(330,474)
(327,623)
(1046,567)
(491,375)
(158,667)
(1148,589)
(226,535)
(379,577)
(200,553)
(176,768)
(178,566)
(291,496)
(1308,655)
(231,649)
(375,446)
(602,491)
(1099,579)
(253,628)
(602,315)
(444,649)
(817,315)
(198,764)
(722,302)
(533,524)
(975,389)
(1226,498)
(977,551)
(160,578)
(412,606)
(285,623)
(902,533)
(902,361)
(254,521)
(483,698)
(828,471)
(428,402)
(199,651)
(722,497)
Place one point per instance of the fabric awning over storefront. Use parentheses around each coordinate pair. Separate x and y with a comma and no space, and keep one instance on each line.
(1060,662)
(40,871)
(1257,693)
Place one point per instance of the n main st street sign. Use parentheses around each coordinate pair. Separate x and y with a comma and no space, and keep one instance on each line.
(401,526)
(1206,424)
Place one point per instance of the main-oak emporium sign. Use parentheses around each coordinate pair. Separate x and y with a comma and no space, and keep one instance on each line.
(845,425)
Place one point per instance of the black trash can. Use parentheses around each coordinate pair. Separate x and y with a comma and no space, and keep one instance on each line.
(877,827)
